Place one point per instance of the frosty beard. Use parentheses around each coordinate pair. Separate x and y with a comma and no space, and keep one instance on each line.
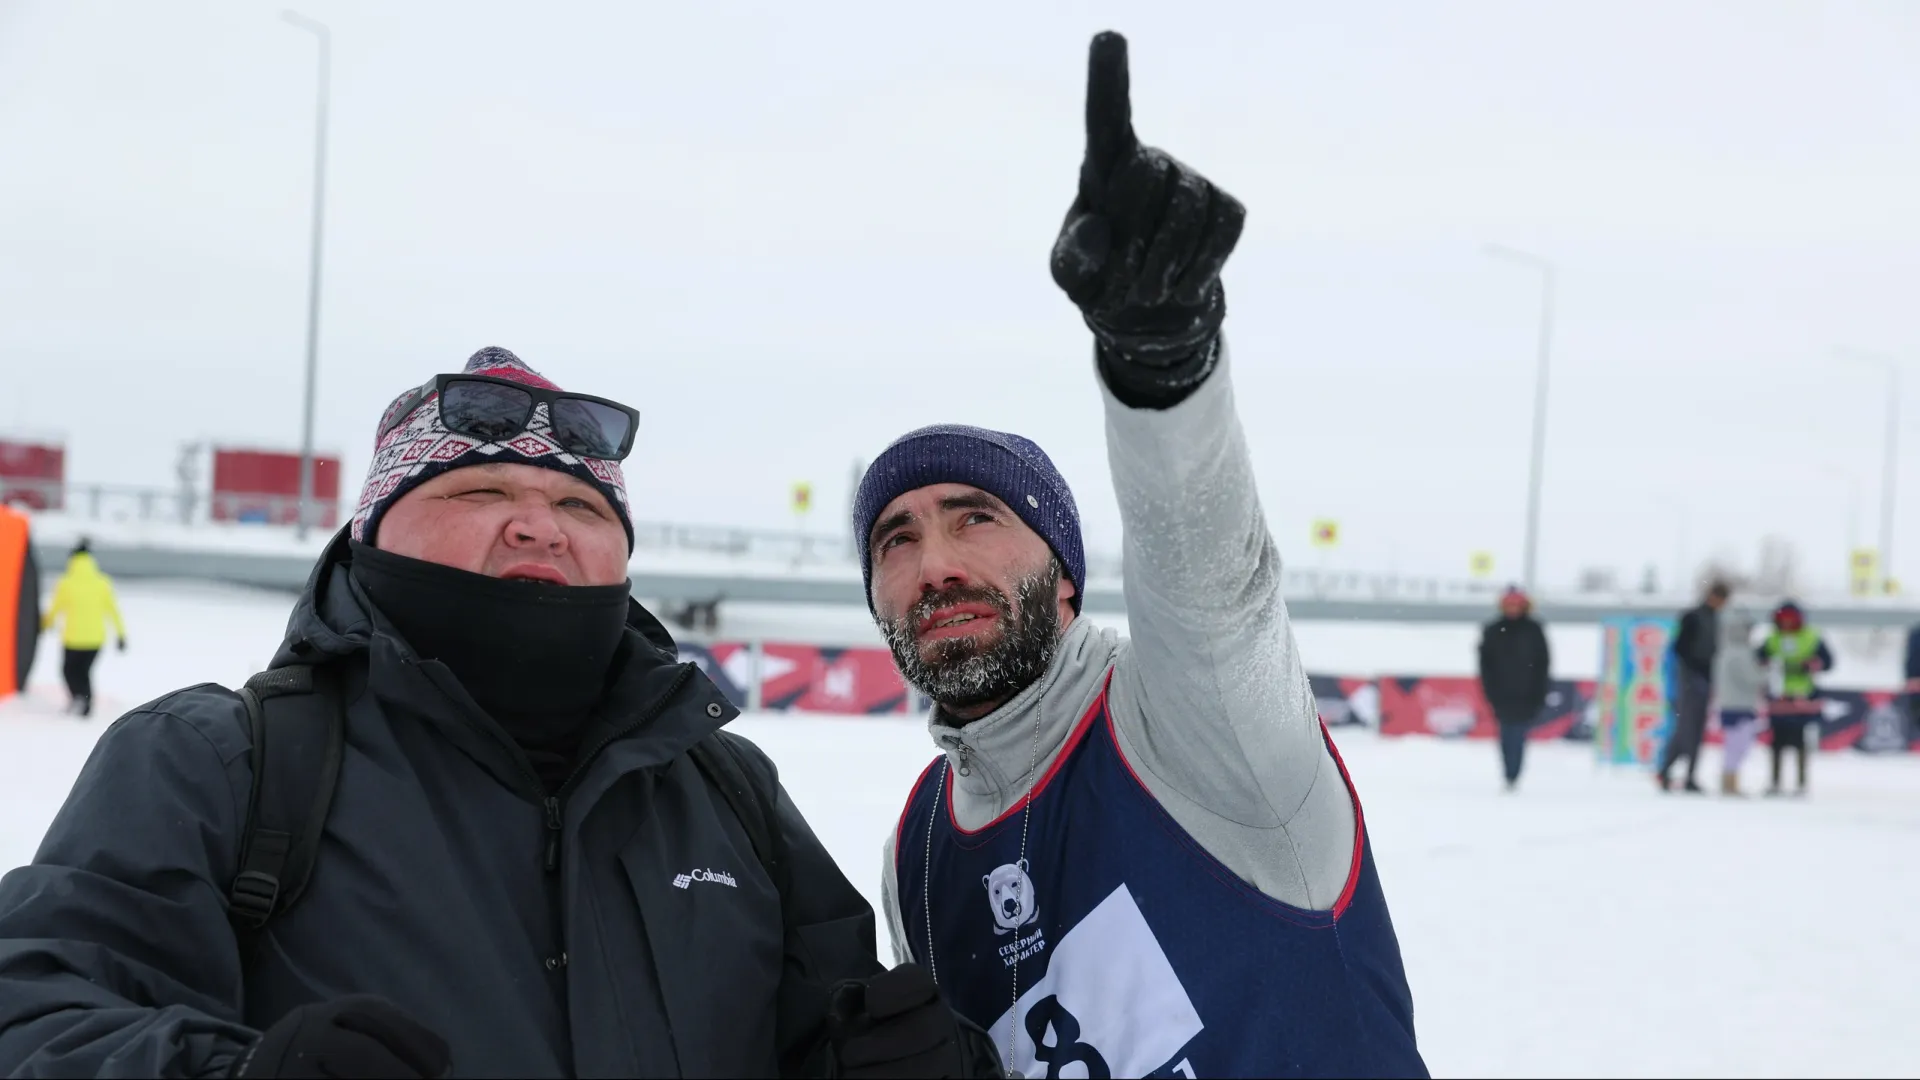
(965,673)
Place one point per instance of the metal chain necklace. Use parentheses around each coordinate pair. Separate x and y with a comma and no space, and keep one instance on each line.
(926,883)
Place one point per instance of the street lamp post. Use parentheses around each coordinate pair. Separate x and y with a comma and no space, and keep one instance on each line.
(325,38)
(1889,469)
(1546,270)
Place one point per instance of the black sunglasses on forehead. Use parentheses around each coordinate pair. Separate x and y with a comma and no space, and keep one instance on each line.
(494,409)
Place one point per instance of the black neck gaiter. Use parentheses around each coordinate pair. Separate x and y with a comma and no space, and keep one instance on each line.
(537,657)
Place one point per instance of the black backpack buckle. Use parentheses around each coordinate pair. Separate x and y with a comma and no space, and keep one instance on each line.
(254,895)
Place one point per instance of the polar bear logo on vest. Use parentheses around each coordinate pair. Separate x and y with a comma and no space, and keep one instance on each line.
(1010,891)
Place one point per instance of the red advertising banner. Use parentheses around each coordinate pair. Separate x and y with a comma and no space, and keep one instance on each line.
(862,681)
(806,678)
(1453,706)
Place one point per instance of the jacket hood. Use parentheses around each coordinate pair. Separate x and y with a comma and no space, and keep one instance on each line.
(83,564)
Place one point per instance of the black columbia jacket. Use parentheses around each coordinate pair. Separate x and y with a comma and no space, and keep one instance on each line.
(655,947)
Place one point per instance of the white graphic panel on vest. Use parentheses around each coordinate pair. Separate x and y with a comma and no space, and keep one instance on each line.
(1109,994)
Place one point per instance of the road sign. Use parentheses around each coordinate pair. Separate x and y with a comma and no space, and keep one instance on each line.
(802,497)
(1326,534)
(1482,563)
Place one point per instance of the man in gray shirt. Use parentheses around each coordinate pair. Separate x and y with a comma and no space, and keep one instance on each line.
(1740,685)
(1139,857)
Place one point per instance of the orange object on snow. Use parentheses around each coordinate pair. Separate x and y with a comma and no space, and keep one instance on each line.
(19,602)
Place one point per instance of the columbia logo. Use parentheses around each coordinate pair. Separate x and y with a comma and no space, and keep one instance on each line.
(718,877)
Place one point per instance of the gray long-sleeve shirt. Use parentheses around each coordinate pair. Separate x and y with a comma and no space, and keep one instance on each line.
(1739,679)
(1210,701)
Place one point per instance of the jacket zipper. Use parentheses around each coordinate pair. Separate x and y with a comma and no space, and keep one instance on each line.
(554,824)
(556,817)
(553,802)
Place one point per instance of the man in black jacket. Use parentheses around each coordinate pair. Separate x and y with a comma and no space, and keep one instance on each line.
(1515,672)
(1693,651)
(523,872)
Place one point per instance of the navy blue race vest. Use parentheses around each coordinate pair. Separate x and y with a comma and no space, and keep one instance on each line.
(1137,953)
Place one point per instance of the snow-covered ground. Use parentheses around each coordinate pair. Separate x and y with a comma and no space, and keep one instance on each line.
(1584,927)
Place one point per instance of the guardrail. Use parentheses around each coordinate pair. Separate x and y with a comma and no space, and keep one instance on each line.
(691,592)
(127,503)
(114,503)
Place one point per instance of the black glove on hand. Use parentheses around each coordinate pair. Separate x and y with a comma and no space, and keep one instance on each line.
(1142,248)
(896,1025)
(359,1036)
(123,643)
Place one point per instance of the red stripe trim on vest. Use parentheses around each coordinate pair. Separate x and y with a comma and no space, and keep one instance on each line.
(1079,732)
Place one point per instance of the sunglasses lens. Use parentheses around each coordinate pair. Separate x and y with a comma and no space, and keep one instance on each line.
(484,410)
(589,428)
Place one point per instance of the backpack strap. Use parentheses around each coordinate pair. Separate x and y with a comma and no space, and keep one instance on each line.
(751,797)
(296,717)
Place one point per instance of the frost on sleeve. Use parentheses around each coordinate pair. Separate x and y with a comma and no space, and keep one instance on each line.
(1212,696)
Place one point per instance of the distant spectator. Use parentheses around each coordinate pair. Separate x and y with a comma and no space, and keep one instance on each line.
(1801,653)
(1913,683)
(83,603)
(1693,648)
(1515,672)
(1740,686)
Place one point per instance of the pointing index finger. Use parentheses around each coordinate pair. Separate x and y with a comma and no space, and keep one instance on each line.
(1109,108)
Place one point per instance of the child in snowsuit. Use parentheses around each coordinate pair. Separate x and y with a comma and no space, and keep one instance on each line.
(1740,685)
(1801,653)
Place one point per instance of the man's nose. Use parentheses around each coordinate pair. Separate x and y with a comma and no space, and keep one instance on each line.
(534,524)
(940,565)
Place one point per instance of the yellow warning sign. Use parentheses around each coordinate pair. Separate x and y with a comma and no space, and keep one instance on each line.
(1481,562)
(1864,571)
(1326,534)
(802,498)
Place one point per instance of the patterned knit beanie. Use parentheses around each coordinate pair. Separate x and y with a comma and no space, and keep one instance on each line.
(1010,468)
(421,448)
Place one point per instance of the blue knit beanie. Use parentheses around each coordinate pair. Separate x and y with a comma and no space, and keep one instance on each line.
(1010,468)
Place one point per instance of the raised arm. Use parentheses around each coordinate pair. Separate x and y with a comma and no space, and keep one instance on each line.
(1211,702)
(1212,695)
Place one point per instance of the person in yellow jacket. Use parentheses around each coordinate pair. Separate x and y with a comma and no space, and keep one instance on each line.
(83,603)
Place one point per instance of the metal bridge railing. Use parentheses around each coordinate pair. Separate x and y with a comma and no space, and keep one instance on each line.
(127,503)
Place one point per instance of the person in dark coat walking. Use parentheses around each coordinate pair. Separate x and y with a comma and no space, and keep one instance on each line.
(1515,673)
(1912,696)
(1693,650)
(523,871)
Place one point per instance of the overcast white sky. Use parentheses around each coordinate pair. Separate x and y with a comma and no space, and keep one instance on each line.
(788,233)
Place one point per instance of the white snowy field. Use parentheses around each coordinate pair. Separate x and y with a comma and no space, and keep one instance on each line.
(1584,927)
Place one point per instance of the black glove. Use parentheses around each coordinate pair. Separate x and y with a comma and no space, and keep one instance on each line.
(123,643)
(359,1035)
(1142,248)
(896,1025)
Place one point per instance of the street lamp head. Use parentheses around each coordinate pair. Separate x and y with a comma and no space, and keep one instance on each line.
(1501,251)
(295,18)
